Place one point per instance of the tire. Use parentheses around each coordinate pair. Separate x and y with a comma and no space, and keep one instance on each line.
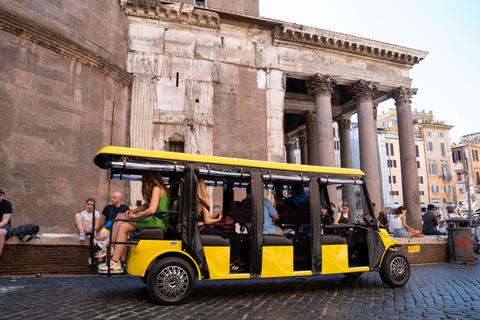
(171,281)
(395,269)
(353,274)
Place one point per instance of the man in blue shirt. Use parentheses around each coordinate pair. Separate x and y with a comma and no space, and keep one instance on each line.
(298,195)
(270,215)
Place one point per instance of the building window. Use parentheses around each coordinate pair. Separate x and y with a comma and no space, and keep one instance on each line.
(422,193)
(457,156)
(417,152)
(435,188)
(442,148)
(432,168)
(478,177)
(394,193)
(384,124)
(392,150)
(475,155)
(420,179)
(459,177)
(446,174)
(429,146)
(176,146)
(428,133)
(394,122)
(201,3)
(441,134)
(392,163)
(448,189)
(392,179)
(418,164)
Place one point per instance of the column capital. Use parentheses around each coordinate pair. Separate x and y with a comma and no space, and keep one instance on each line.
(303,138)
(290,145)
(310,118)
(343,122)
(402,95)
(322,85)
(364,90)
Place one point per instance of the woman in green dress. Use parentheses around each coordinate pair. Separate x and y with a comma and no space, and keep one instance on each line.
(157,198)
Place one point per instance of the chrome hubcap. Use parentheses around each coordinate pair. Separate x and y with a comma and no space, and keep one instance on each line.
(399,269)
(172,282)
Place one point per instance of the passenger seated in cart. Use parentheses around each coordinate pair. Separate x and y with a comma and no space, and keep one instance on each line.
(206,225)
(298,195)
(270,215)
(157,198)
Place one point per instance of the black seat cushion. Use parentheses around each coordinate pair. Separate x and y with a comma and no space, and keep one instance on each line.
(210,240)
(270,240)
(149,234)
(333,239)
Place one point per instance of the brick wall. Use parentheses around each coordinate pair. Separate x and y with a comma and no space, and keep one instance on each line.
(431,249)
(33,259)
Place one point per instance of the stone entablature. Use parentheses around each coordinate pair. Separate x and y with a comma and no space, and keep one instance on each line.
(171,12)
(348,44)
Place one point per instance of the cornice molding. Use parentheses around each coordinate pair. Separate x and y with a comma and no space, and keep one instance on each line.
(348,44)
(181,13)
(43,37)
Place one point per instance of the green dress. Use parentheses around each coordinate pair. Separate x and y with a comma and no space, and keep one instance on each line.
(153,221)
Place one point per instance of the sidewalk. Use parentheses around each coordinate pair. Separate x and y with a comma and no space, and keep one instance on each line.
(435,291)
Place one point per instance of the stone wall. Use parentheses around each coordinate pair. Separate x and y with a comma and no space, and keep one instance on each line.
(64,94)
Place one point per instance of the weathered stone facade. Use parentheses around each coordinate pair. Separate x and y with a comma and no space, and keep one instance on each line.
(64,94)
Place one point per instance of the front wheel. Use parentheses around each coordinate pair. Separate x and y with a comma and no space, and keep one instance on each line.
(171,281)
(395,269)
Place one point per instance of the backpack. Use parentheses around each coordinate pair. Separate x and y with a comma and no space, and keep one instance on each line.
(24,230)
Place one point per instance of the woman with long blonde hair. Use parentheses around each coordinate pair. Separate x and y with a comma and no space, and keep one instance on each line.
(206,221)
(157,197)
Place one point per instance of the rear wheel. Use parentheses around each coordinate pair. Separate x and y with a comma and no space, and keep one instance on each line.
(353,274)
(171,281)
(395,269)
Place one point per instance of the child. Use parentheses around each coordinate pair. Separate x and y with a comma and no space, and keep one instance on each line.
(83,220)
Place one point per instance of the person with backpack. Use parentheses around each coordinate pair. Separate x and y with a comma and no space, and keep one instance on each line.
(5,219)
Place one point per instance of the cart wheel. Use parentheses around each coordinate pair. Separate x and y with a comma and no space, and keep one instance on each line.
(171,281)
(395,269)
(353,274)
(475,243)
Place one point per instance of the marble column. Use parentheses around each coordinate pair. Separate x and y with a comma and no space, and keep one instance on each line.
(303,148)
(408,159)
(311,128)
(322,88)
(363,92)
(348,191)
(290,150)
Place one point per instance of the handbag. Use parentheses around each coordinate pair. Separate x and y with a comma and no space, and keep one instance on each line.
(226,224)
(30,230)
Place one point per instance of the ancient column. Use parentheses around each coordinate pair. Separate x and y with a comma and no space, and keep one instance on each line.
(408,160)
(303,148)
(363,92)
(348,191)
(290,150)
(311,125)
(322,87)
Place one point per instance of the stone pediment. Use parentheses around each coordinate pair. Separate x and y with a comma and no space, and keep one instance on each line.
(348,44)
(171,12)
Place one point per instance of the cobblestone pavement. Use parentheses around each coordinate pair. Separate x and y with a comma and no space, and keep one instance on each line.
(439,291)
